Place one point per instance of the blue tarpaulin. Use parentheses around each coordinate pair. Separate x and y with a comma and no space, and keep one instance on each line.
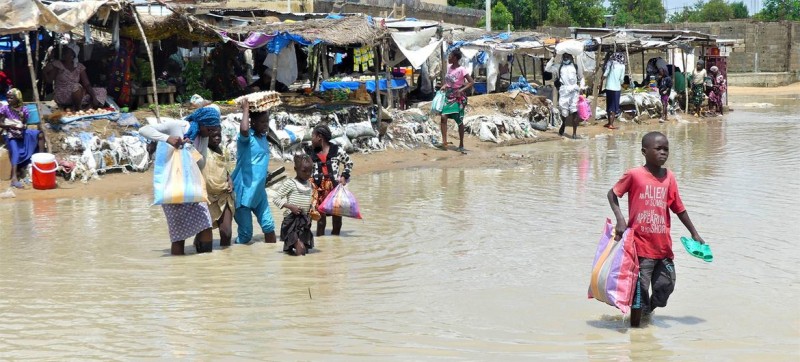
(281,40)
(353,85)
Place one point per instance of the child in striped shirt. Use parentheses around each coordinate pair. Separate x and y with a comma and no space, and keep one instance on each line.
(294,196)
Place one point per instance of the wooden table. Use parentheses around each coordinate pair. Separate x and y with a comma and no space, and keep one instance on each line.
(166,95)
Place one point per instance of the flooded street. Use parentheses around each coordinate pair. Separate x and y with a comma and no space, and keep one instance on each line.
(478,264)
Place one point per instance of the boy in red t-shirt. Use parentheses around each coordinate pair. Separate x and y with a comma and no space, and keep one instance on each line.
(652,193)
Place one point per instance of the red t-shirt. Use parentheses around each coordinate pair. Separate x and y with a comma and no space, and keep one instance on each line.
(324,158)
(649,199)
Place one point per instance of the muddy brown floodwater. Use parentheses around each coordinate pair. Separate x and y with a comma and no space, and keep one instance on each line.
(477,264)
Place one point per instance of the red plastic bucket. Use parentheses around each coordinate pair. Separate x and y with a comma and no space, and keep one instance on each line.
(43,176)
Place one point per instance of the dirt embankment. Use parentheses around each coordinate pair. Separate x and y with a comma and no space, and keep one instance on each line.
(481,154)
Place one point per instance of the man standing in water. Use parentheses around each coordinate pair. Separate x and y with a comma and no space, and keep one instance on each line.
(568,80)
(652,192)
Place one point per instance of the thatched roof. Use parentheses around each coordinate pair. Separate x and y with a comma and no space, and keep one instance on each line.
(340,32)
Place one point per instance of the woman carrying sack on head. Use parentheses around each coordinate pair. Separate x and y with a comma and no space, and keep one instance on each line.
(188,219)
(327,157)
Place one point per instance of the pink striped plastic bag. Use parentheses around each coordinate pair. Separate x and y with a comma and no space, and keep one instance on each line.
(615,269)
(340,202)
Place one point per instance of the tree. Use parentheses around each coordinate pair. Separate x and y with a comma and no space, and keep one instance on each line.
(575,12)
(780,10)
(538,12)
(739,10)
(716,10)
(501,17)
(637,12)
(558,14)
(521,13)
(688,14)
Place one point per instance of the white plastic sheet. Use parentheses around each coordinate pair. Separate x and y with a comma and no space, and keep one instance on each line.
(287,65)
(417,46)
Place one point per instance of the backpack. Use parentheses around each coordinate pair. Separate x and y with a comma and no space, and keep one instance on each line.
(558,77)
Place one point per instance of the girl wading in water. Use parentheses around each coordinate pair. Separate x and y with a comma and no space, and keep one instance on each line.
(327,157)
(456,83)
(190,219)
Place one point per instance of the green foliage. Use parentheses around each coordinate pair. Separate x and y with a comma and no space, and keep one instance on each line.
(713,10)
(501,17)
(558,14)
(780,10)
(628,12)
(716,10)
(739,10)
(195,80)
(587,13)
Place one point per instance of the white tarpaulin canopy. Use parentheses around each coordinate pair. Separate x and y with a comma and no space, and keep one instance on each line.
(17,16)
(417,46)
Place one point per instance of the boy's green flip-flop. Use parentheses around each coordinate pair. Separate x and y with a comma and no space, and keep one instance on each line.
(694,248)
(707,256)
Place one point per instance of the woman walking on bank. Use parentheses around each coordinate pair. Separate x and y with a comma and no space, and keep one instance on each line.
(327,157)
(455,84)
(190,219)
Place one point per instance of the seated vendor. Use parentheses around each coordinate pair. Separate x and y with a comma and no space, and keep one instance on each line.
(626,83)
(72,88)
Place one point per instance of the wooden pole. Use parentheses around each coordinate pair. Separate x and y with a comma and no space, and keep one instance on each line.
(389,95)
(317,51)
(377,82)
(596,82)
(150,57)
(644,69)
(686,98)
(274,74)
(630,72)
(32,71)
(324,59)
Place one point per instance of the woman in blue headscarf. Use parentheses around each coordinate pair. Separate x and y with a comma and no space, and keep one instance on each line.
(190,219)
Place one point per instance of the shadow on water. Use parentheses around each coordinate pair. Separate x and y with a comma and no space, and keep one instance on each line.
(662,321)
(621,323)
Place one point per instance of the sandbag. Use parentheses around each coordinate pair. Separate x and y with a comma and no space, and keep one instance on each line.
(301,133)
(176,177)
(437,105)
(486,133)
(359,130)
(615,269)
(344,143)
(340,202)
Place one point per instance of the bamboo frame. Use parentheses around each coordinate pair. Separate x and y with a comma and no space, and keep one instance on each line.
(31,66)
(150,57)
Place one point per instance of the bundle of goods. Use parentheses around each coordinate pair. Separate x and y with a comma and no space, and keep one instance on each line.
(361,95)
(261,101)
